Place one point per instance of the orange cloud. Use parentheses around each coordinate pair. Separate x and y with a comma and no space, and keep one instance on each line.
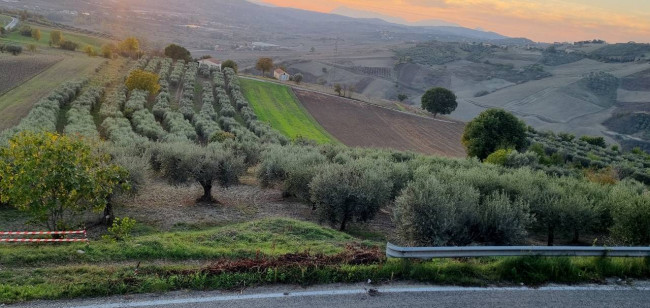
(548,20)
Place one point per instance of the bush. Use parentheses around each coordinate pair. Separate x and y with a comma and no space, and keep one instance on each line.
(631,213)
(121,229)
(68,45)
(143,80)
(13,49)
(492,130)
(597,141)
(499,157)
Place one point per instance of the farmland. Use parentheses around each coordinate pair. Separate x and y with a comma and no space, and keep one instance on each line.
(16,70)
(81,39)
(361,125)
(277,105)
(16,103)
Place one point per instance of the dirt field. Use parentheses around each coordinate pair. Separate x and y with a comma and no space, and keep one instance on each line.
(358,124)
(14,70)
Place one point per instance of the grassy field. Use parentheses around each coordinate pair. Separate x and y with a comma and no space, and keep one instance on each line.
(15,104)
(277,105)
(159,262)
(82,40)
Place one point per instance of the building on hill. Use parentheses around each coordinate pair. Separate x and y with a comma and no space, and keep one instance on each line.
(281,75)
(211,62)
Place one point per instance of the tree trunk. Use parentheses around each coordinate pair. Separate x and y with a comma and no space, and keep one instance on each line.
(551,235)
(207,193)
(576,236)
(108,217)
(343,222)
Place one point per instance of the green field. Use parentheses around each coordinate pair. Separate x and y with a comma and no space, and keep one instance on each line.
(277,105)
(15,104)
(82,40)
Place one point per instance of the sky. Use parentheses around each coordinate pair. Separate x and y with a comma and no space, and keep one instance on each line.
(539,20)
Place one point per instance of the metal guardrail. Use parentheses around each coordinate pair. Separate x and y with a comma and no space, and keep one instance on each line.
(394,251)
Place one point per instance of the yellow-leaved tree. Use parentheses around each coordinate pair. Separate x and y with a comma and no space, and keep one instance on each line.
(143,80)
(56,178)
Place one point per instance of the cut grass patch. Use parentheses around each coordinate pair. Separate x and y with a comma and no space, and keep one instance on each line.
(15,104)
(277,105)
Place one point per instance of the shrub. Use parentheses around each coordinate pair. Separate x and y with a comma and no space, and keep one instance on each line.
(69,45)
(121,229)
(502,221)
(144,123)
(499,157)
(143,80)
(13,49)
(631,213)
(597,141)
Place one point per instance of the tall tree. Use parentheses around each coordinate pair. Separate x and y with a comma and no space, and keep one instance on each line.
(36,34)
(130,46)
(264,65)
(439,101)
(177,52)
(56,37)
(143,80)
(492,130)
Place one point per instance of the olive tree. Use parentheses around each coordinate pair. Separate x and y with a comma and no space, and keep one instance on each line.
(184,162)
(350,192)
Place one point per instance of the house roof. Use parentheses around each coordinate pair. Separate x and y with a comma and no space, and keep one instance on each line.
(280,71)
(211,60)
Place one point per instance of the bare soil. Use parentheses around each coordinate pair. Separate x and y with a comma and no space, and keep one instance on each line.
(359,124)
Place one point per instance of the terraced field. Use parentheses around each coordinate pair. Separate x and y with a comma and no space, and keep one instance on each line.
(277,105)
(359,124)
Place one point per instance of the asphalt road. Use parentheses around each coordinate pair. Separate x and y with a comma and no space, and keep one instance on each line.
(12,24)
(357,296)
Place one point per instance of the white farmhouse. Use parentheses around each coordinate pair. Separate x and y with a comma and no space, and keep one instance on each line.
(211,62)
(281,75)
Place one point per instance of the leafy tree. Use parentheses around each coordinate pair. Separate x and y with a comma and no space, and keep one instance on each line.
(36,34)
(231,64)
(297,78)
(90,51)
(312,49)
(13,49)
(143,80)
(402,97)
(344,193)
(31,47)
(492,130)
(26,31)
(129,46)
(69,45)
(182,163)
(108,50)
(439,100)
(55,178)
(177,52)
(56,37)
(264,65)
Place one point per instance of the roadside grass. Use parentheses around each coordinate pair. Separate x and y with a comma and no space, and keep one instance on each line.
(15,104)
(270,237)
(277,105)
(81,39)
(161,262)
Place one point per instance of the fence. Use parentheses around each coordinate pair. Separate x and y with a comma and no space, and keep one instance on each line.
(43,240)
(507,251)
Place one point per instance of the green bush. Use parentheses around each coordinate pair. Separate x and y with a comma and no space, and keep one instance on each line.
(631,213)
(499,157)
(121,229)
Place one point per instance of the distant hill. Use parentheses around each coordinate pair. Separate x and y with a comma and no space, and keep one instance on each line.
(354,13)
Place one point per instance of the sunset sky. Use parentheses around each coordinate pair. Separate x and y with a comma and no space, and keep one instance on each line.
(539,20)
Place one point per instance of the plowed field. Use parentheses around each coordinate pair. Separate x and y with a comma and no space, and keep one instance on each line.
(359,124)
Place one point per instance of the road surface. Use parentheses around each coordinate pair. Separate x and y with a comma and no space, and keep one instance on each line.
(400,295)
(12,24)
